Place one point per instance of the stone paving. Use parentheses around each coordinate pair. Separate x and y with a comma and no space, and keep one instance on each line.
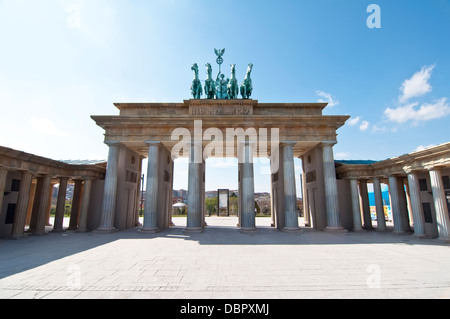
(223,263)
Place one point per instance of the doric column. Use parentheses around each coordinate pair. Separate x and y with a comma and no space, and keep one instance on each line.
(60,205)
(398,205)
(43,205)
(109,194)
(357,224)
(247,193)
(152,193)
(195,220)
(31,201)
(76,202)
(440,204)
(35,205)
(3,176)
(365,204)
(381,220)
(305,201)
(22,205)
(331,192)
(85,201)
(49,204)
(416,207)
(290,192)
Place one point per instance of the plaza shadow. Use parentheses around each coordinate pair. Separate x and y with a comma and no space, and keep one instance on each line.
(17,256)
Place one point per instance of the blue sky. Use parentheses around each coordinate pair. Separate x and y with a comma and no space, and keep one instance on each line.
(64,60)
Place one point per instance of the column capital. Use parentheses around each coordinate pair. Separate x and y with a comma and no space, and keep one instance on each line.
(112,143)
(88,178)
(434,168)
(288,143)
(328,143)
(153,143)
(63,177)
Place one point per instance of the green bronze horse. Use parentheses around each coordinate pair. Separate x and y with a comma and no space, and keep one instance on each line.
(196,87)
(246,87)
(233,86)
(210,84)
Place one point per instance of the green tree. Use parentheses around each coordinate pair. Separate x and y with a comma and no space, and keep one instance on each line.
(211,205)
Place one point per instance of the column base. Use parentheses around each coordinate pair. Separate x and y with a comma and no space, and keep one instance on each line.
(444,240)
(39,233)
(248,230)
(193,230)
(291,230)
(336,230)
(402,232)
(18,237)
(57,231)
(106,230)
(149,230)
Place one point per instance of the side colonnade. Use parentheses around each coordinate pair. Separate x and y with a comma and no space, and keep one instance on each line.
(26,186)
(419,192)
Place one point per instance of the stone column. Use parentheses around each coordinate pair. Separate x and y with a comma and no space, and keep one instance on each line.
(247,193)
(440,204)
(49,205)
(109,194)
(20,214)
(305,201)
(35,205)
(152,193)
(381,220)
(416,206)
(60,205)
(31,201)
(3,176)
(76,202)
(43,205)
(365,204)
(398,205)
(331,192)
(195,221)
(408,202)
(85,201)
(357,224)
(290,191)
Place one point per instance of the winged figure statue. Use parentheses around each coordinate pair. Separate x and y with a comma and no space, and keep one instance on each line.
(219,53)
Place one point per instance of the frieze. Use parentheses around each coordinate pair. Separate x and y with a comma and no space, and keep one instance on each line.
(217,110)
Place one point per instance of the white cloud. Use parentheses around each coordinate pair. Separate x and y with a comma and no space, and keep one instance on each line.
(417,85)
(354,121)
(329,99)
(425,112)
(378,129)
(364,125)
(421,147)
(342,156)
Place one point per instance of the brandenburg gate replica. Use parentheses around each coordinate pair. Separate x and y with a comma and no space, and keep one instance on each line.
(222,124)
(225,122)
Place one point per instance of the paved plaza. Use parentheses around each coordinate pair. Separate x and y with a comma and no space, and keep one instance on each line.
(221,262)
